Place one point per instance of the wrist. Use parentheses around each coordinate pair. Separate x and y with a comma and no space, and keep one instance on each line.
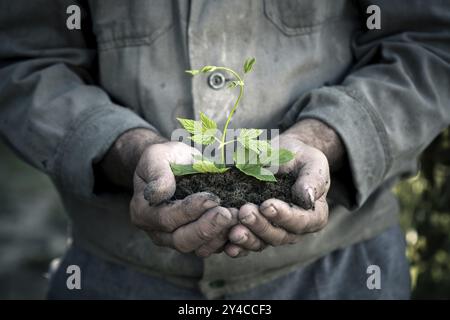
(119,163)
(319,135)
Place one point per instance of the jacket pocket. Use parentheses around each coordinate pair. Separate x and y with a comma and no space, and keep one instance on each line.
(118,23)
(298,17)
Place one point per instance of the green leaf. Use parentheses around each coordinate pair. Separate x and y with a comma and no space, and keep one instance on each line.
(201,138)
(257,171)
(285,156)
(249,133)
(192,72)
(206,166)
(252,145)
(191,126)
(261,146)
(207,69)
(182,169)
(248,65)
(235,83)
(247,137)
(203,131)
(200,157)
(207,123)
(280,156)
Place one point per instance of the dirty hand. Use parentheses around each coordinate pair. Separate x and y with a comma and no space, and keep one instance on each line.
(194,224)
(277,223)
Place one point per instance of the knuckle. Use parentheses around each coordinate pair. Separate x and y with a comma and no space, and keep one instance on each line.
(177,144)
(286,238)
(205,233)
(223,217)
(275,241)
(254,244)
(284,216)
(271,236)
(262,228)
(155,148)
(181,148)
(247,208)
(319,156)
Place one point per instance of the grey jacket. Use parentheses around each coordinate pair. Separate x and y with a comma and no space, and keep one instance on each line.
(66,95)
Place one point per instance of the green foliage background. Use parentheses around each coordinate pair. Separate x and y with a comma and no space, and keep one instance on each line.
(425,202)
(33,227)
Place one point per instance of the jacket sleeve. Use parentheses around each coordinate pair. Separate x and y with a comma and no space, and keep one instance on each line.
(395,100)
(51,111)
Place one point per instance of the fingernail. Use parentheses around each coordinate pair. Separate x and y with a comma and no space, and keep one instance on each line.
(248,219)
(235,252)
(223,217)
(208,204)
(240,239)
(269,211)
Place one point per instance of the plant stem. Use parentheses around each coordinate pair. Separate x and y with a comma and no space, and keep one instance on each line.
(228,142)
(241,92)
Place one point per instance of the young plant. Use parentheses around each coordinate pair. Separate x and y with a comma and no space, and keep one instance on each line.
(257,155)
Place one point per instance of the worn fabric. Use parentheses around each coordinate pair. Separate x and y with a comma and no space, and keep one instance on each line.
(340,275)
(66,95)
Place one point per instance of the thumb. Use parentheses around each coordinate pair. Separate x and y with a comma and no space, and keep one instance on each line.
(158,178)
(313,180)
(154,174)
(162,185)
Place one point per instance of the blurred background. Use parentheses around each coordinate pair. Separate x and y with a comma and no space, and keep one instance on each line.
(33,226)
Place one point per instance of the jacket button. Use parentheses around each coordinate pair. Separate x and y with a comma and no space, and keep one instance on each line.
(216,80)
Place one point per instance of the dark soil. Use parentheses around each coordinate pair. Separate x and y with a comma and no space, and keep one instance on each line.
(235,188)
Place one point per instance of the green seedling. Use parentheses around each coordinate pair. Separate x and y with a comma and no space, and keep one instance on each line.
(257,154)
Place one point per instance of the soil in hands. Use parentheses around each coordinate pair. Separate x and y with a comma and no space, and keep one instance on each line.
(235,188)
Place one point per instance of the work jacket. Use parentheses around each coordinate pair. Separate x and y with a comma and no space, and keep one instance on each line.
(67,93)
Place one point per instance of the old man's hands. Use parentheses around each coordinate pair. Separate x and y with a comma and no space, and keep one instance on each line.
(198,224)
(276,222)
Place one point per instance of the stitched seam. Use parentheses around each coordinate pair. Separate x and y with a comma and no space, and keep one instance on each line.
(124,41)
(298,31)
